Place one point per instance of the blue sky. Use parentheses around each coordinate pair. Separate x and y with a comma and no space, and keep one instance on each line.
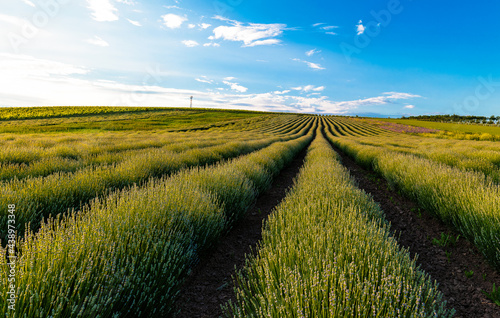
(387,58)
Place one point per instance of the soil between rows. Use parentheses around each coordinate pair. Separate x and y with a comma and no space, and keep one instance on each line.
(415,229)
(210,284)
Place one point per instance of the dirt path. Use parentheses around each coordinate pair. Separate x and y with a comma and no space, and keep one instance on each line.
(415,230)
(210,284)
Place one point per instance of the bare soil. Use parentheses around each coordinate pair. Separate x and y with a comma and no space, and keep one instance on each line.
(210,284)
(416,229)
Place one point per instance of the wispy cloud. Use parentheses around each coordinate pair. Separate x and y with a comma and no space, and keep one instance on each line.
(360,28)
(55,83)
(128,2)
(173,21)
(309,88)
(103,10)
(282,92)
(398,95)
(252,34)
(136,23)
(312,52)
(410,106)
(28,2)
(204,79)
(97,41)
(205,26)
(314,66)
(384,99)
(327,29)
(190,43)
(236,87)
(211,44)
(13,20)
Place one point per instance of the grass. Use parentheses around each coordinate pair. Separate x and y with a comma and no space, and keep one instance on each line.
(494,295)
(445,240)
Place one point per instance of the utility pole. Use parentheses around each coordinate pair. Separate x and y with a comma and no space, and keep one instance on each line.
(191,105)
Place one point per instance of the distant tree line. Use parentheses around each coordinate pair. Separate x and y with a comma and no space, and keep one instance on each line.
(492,120)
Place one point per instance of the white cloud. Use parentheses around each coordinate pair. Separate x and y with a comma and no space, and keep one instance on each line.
(136,23)
(329,27)
(14,65)
(282,92)
(29,3)
(229,78)
(386,98)
(173,21)
(326,28)
(309,88)
(128,2)
(204,79)
(251,35)
(221,18)
(205,26)
(312,52)
(55,83)
(212,44)
(102,10)
(397,95)
(97,41)
(235,86)
(191,26)
(13,20)
(314,66)
(360,28)
(410,106)
(190,43)
(265,42)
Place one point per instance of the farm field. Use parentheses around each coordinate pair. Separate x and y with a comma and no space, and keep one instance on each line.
(445,130)
(146,212)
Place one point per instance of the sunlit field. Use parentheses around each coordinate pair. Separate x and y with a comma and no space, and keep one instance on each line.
(110,212)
